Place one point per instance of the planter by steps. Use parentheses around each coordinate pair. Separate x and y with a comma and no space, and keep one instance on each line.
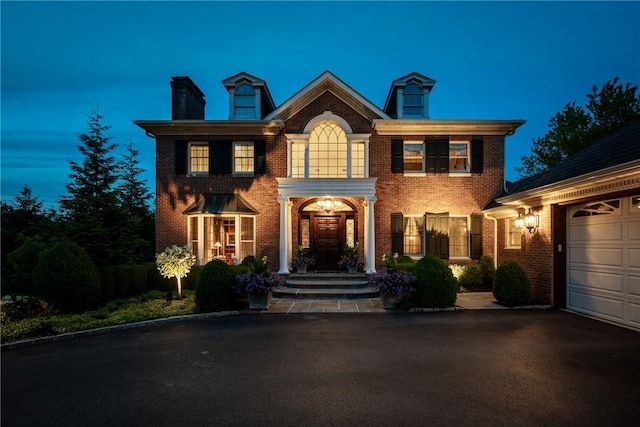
(259,301)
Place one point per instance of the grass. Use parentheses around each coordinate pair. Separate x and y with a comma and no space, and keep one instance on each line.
(147,306)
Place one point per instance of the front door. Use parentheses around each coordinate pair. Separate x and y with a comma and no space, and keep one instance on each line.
(328,232)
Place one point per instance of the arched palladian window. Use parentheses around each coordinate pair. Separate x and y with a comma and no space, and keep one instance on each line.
(245,102)
(328,151)
(412,101)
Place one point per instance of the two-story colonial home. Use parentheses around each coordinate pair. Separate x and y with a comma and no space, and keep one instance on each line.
(325,169)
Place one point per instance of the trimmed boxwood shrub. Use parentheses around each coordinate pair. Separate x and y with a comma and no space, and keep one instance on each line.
(107,283)
(214,288)
(511,285)
(122,278)
(22,263)
(488,270)
(67,278)
(435,284)
(471,277)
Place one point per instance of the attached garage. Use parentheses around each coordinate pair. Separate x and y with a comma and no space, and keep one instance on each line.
(603,260)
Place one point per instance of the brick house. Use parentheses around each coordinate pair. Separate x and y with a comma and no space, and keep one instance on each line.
(583,251)
(325,169)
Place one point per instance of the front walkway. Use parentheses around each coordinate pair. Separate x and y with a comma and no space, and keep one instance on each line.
(465,301)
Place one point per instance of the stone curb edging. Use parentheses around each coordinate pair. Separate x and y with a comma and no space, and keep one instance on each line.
(104,329)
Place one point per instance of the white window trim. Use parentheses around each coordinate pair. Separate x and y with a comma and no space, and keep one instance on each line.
(508,230)
(422,172)
(460,258)
(466,172)
(233,159)
(191,143)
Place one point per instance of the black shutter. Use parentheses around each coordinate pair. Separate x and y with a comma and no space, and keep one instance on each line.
(397,234)
(437,234)
(437,151)
(397,162)
(220,157)
(259,157)
(477,155)
(442,147)
(476,236)
(181,157)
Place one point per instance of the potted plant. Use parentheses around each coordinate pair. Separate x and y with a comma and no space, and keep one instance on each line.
(302,260)
(393,284)
(350,259)
(258,284)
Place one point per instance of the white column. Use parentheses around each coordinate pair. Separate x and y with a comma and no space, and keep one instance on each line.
(289,231)
(370,233)
(284,220)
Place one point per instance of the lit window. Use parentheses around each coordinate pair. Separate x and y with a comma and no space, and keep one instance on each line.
(413,158)
(412,100)
(458,237)
(459,156)
(327,151)
(245,102)
(514,234)
(227,237)
(413,232)
(243,157)
(198,157)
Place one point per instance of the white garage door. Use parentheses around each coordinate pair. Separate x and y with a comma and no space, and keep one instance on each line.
(603,260)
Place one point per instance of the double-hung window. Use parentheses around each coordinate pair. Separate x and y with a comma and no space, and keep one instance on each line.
(514,235)
(412,101)
(245,102)
(243,158)
(198,157)
(413,158)
(459,157)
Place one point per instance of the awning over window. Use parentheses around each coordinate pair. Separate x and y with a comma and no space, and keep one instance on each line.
(220,204)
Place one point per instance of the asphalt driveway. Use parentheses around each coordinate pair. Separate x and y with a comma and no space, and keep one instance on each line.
(476,367)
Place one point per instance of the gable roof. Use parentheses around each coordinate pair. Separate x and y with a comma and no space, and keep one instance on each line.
(613,158)
(254,81)
(327,81)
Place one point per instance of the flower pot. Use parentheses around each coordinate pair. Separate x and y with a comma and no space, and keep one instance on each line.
(259,301)
(353,269)
(302,269)
(390,300)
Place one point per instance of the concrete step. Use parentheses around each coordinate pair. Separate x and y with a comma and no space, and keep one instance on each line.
(329,284)
(327,276)
(326,293)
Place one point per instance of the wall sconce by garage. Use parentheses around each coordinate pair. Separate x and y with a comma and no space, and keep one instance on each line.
(530,221)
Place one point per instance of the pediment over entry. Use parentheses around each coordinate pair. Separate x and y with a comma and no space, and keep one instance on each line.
(327,82)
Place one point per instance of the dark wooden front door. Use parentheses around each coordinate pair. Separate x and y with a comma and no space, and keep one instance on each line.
(328,234)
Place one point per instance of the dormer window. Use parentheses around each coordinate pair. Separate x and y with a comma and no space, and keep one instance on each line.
(245,102)
(412,101)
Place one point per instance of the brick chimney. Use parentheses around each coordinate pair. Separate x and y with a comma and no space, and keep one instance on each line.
(187,100)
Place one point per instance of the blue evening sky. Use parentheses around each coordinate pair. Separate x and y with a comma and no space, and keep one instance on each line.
(491,60)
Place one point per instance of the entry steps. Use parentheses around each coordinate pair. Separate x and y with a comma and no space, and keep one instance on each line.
(326,286)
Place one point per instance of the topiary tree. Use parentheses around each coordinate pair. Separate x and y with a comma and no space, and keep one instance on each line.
(67,278)
(214,287)
(511,285)
(175,261)
(487,268)
(435,284)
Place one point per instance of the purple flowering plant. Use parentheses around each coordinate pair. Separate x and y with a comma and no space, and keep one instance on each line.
(393,282)
(258,283)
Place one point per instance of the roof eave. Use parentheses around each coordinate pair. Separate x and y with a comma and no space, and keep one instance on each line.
(460,127)
(210,127)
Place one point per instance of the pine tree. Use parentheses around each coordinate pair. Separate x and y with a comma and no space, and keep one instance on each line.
(134,198)
(91,208)
(575,127)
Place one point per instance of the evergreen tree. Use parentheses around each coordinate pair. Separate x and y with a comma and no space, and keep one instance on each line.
(91,208)
(575,127)
(134,197)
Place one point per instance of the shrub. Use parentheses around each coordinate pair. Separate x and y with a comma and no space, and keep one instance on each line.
(22,264)
(122,280)
(488,270)
(511,286)
(176,261)
(435,284)
(214,288)
(107,283)
(67,278)
(405,259)
(471,277)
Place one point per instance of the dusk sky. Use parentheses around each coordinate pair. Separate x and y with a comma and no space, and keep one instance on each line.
(491,60)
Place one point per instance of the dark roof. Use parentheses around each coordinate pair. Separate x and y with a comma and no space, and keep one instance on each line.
(220,204)
(620,147)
